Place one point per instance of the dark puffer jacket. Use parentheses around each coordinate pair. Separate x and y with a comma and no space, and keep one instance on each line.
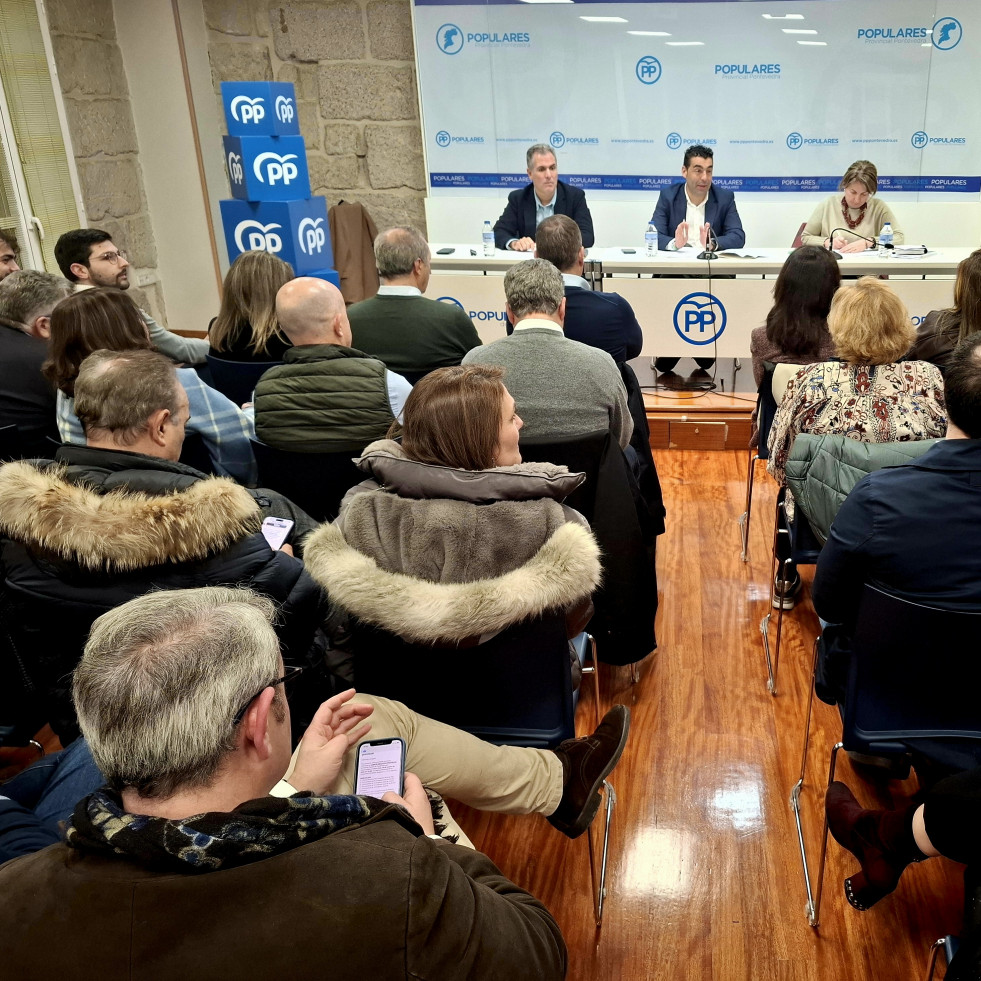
(99,527)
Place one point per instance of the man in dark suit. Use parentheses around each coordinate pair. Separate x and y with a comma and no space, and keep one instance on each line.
(545,196)
(687,212)
(603,320)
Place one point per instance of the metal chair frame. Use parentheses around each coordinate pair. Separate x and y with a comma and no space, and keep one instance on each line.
(766,408)
(875,740)
(948,945)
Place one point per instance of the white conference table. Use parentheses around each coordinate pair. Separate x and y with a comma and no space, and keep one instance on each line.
(683,316)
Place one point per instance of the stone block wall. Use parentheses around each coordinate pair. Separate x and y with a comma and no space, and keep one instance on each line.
(100,122)
(352,63)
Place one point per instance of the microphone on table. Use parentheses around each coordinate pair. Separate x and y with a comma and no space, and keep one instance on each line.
(831,239)
(710,248)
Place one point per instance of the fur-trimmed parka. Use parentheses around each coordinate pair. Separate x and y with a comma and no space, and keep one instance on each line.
(450,557)
(82,538)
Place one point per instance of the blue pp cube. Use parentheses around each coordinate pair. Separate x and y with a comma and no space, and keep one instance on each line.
(296,231)
(260,108)
(267,168)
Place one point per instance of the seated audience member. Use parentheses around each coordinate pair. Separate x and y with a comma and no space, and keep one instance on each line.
(27,399)
(870,394)
(327,396)
(87,258)
(562,784)
(603,320)
(179,697)
(942,330)
(246,328)
(562,387)
(120,516)
(546,195)
(107,319)
(9,249)
(455,507)
(908,529)
(796,328)
(399,326)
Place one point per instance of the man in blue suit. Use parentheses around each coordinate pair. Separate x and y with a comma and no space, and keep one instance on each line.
(545,196)
(603,320)
(687,213)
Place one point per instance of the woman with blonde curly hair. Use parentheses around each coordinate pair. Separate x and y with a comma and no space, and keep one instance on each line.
(246,328)
(869,393)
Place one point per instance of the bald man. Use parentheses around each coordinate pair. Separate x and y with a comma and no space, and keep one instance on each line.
(326,396)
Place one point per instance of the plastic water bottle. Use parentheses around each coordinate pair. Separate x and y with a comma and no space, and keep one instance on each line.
(885,236)
(650,241)
(488,239)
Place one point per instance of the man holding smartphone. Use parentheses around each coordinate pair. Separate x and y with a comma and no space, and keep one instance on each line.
(183,864)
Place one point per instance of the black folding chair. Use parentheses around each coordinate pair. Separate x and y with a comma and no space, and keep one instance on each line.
(237,379)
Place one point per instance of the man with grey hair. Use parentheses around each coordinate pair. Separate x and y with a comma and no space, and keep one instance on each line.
(326,396)
(124,516)
(9,248)
(399,326)
(560,387)
(183,699)
(27,401)
(545,196)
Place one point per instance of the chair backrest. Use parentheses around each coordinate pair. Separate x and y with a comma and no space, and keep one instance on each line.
(237,379)
(766,409)
(626,601)
(10,443)
(515,688)
(21,714)
(195,454)
(640,440)
(909,683)
(315,482)
(799,237)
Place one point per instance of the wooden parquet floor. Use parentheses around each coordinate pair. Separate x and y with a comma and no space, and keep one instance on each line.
(705,877)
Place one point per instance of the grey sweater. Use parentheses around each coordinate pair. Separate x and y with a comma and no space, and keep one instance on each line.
(560,387)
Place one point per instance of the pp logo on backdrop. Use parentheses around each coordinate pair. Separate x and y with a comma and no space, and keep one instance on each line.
(699,318)
(648,70)
(442,138)
(235,173)
(276,167)
(795,141)
(452,300)
(919,139)
(449,39)
(247,110)
(947,33)
(673,141)
(557,140)
(310,235)
(260,238)
(285,110)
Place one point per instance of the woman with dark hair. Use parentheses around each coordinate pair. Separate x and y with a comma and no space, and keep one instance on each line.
(246,328)
(104,318)
(796,329)
(846,223)
(455,538)
(942,330)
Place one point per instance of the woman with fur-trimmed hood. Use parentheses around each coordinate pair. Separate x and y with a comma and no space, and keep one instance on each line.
(454,538)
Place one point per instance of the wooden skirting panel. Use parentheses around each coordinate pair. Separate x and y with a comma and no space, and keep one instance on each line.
(699,421)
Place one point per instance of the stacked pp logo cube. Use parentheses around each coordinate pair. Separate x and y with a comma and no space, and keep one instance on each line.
(271,207)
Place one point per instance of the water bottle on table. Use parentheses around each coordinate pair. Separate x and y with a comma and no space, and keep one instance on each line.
(488,236)
(650,241)
(885,236)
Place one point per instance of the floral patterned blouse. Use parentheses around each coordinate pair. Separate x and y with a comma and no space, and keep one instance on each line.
(885,403)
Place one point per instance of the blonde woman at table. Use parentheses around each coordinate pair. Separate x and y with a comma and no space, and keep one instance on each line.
(857,210)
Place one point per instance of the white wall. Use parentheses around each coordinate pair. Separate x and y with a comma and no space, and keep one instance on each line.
(767,223)
(148,41)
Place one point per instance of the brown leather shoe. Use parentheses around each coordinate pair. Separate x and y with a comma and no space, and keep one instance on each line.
(586,762)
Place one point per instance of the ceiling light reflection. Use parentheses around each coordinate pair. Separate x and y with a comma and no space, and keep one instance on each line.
(736,803)
(658,863)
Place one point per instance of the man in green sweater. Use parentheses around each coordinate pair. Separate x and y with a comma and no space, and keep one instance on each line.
(399,326)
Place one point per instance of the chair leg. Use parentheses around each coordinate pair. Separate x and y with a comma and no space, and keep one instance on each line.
(745,516)
(935,949)
(599,890)
(773,658)
(594,671)
(635,673)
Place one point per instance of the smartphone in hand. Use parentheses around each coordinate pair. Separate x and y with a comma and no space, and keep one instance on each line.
(380,767)
(276,531)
